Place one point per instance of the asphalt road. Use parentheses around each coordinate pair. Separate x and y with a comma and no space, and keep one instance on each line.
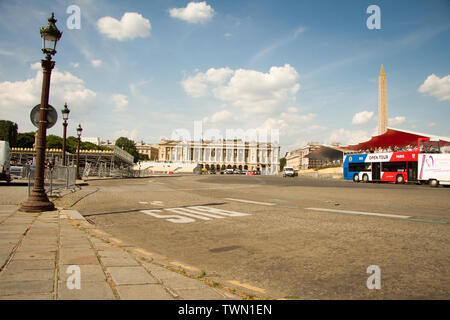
(280,237)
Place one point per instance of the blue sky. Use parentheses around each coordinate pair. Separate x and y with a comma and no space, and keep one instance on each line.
(309,69)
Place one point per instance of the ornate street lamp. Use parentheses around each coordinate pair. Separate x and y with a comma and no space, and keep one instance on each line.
(79,130)
(38,200)
(65,113)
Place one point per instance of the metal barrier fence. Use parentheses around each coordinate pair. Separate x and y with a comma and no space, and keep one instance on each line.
(56,179)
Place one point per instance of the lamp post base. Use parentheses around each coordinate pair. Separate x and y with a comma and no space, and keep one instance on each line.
(37,202)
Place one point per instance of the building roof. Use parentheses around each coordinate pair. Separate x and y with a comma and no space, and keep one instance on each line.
(396,137)
(325,153)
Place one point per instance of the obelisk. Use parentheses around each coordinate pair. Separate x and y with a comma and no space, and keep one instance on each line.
(382,103)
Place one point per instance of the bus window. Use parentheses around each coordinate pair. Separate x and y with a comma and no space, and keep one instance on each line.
(393,166)
(357,167)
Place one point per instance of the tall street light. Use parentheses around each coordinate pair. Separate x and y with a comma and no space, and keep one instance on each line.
(79,130)
(65,113)
(38,200)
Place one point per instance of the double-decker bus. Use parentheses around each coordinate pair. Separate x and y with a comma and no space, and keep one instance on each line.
(426,165)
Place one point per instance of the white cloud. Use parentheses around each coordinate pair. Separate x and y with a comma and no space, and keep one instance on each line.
(228,35)
(221,116)
(6,53)
(348,137)
(396,121)
(278,43)
(17,98)
(197,86)
(251,91)
(195,12)
(120,102)
(437,87)
(125,133)
(75,64)
(131,25)
(36,66)
(96,63)
(432,124)
(362,117)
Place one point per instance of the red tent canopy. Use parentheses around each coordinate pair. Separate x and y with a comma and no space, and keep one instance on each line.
(394,137)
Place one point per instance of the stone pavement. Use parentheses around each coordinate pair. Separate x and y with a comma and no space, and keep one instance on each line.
(59,255)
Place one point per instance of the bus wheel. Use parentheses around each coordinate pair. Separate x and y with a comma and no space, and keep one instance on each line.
(400,179)
(365,178)
(355,178)
(434,183)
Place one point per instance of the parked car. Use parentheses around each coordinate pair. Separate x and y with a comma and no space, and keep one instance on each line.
(289,172)
(229,171)
(19,171)
(250,173)
(237,171)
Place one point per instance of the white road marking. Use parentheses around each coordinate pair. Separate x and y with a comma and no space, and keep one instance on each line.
(171,218)
(188,212)
(361,213)
(253,202)
(199,212)
(157,203)
(143,202)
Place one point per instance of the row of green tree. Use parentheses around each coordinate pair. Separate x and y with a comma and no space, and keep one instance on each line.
(9,132)
(26,140)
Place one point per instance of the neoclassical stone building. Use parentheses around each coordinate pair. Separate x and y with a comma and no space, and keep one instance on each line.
(223,154)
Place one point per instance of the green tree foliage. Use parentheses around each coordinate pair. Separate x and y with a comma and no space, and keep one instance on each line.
(54,142)
(8,132)
(72,145)
(282,163)
(143,157)
(129,146)
(25,140)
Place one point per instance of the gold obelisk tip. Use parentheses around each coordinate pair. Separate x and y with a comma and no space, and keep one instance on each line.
(382,71)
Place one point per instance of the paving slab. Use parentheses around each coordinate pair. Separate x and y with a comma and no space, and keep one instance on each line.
(27,275)
(35,296)
(143,292)
(7,249)
(3,258)
(113,253)
(88,273)
(42,238)
(119,262)
(160,272)
(182,282)
(27,287)
(47,241)
(20,265)
(8,242)
(73,214)
(87,291)
(130,275)
(35,255)
(89,258)
(8,208)
(36,247)
(204,293)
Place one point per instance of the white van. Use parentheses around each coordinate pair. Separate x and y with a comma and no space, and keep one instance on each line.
(4,161)
(288,172)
